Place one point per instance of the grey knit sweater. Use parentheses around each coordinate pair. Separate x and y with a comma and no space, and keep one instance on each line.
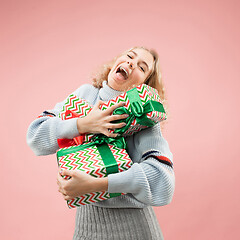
(150,180)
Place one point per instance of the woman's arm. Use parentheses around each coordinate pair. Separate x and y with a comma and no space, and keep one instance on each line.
(79,184)
(44,131)
(151,179)
(98,121)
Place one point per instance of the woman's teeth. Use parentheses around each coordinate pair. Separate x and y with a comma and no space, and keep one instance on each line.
(123,72)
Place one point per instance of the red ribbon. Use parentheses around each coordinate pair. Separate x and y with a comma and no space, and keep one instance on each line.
(62,143)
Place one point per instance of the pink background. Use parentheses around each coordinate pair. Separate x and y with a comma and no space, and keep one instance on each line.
(49,48)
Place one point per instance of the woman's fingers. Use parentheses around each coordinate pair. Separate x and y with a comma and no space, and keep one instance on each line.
(117,117)
(61,183)
(64,193)
(110,110)
(67,197)
(115,125)
(61,190)
(99,103)
(109,134)
(66,172)
(99,121)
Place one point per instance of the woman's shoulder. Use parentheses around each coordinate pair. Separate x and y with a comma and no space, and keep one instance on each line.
(85,89)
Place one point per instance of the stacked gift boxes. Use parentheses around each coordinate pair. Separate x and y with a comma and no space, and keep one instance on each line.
(144,107)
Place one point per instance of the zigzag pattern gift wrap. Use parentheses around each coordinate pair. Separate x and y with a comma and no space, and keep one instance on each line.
(144,107)
(74,107)
(98,160)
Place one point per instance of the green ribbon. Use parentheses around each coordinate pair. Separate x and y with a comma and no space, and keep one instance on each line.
(109,161)
(117,141)
(138,111)
(104,150)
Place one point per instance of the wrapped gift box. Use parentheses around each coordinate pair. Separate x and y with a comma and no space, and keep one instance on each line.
(74,107)
(98,160)
(143,104)
(144,107)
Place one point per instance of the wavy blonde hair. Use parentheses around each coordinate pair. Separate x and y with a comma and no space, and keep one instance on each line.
(154,79)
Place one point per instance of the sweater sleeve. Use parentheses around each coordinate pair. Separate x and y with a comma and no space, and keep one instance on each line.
(151,179)
(44,131)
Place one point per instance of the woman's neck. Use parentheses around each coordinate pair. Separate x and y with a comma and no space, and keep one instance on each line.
(106,93)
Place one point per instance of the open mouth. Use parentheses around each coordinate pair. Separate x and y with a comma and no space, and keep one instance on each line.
(123,72)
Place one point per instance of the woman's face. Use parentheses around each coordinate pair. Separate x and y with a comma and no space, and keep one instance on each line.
(130,69)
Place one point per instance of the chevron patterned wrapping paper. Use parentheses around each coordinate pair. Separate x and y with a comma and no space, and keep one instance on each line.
(143,96)
(75,107)
(90,159)
(144,105)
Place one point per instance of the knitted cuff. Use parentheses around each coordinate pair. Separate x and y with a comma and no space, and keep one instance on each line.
(158,156)
(67,129)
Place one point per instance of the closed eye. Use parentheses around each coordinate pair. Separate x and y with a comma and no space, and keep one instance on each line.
(129,56)
(142,69)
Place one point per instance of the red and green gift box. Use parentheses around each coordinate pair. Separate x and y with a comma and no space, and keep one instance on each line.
(143,105)
(98,159)
(74,107)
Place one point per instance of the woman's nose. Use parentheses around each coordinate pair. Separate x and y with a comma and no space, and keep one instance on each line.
(130,64)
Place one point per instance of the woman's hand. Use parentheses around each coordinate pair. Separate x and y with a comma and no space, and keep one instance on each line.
(79,184)
(98,121)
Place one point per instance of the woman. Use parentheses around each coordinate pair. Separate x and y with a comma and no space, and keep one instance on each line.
(149,182)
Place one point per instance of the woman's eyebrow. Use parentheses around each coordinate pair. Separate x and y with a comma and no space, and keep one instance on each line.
(141,61)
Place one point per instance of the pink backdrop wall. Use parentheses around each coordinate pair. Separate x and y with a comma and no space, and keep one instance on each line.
(49,48)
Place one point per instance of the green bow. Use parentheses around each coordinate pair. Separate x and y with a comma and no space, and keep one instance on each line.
(117,141)
(138,111)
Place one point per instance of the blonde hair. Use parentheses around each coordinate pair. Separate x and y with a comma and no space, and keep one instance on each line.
(153,80)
